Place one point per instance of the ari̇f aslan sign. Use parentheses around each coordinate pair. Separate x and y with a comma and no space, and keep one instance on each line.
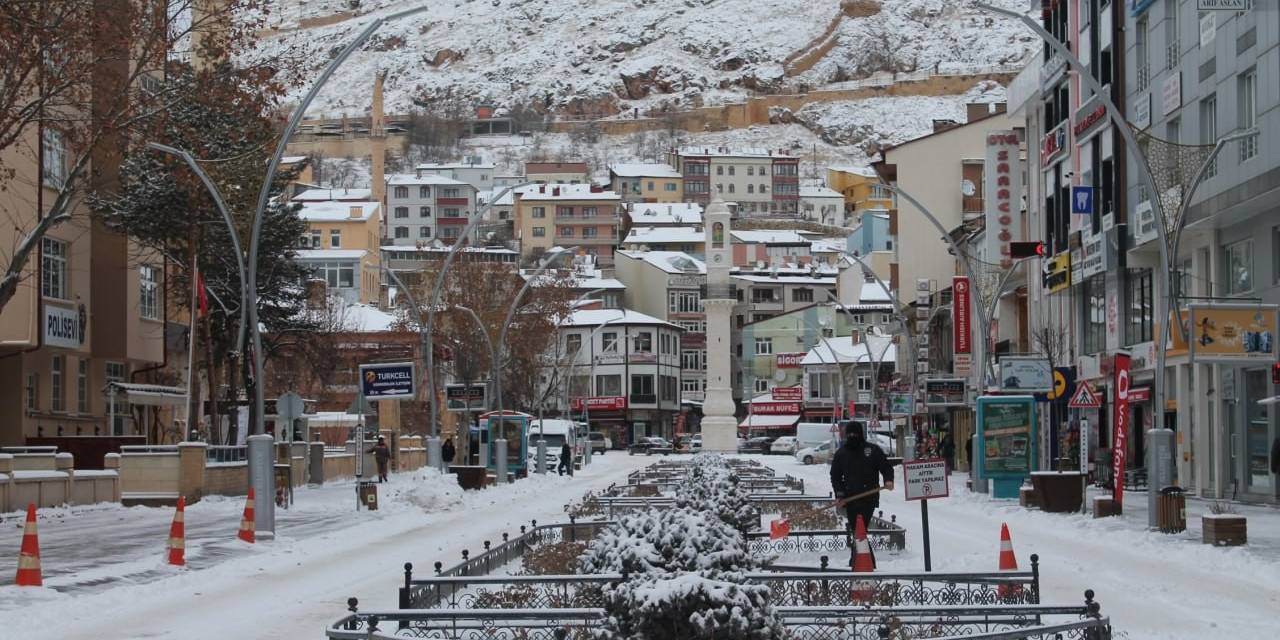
(1002,189)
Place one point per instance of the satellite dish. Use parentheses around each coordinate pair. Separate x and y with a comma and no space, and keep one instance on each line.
(779,375)
(967,188)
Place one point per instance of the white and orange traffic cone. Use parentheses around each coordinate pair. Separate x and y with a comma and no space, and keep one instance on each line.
(29,554)
(178,536)
(1008,562)
(246,522)
(862,590)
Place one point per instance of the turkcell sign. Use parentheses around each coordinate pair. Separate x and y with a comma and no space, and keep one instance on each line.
(387,381)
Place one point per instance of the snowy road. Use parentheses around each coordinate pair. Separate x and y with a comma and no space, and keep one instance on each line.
(1154,586)
(290,588)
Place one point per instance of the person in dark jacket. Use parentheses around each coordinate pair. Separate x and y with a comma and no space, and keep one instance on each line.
(381,455)
(857,467)
(447,451)
(1275,456)
(948,447)
(566,459)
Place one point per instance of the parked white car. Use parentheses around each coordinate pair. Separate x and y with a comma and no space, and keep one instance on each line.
(785,444)
(815,455)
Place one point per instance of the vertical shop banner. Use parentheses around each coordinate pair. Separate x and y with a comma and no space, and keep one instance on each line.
(1002,193)
(1120,424)
(961,298)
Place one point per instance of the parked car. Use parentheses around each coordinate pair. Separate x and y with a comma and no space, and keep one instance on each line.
(815,455)
(696,444)
(600,443)
(758,444)
(783,445)
(650,445)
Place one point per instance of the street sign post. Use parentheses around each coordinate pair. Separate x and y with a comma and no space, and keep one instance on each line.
(925,480)
(289,407)
(1085,397)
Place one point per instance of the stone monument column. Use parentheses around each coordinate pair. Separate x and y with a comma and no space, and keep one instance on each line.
(719,425)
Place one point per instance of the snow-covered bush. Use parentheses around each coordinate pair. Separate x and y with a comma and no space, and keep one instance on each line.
(689,606)
(712,487)
(666,541)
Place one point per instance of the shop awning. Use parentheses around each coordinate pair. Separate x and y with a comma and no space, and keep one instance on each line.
(769,422)
(149,394)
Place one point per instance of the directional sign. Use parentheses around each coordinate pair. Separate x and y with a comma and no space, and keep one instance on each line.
(1085,397)
(925,479)
(1082,200)
(387,381)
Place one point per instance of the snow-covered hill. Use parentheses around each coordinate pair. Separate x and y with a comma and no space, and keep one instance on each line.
(602,56)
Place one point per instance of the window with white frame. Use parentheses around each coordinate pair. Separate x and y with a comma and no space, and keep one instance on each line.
(589,232)
(566,232)
(642,343)
(1247,101)
(609,341)
(538,212)
(572,342)
(335,238)
(336,274)
(402,192)
(424,191)
(761,385)
(450,232)
(539,232)
(315,239)
(609,385)
(54,162)
(402,212)
(821,385)
(82,385)
(33,391)
(691,385)
(1239,266)
(424,212)
(764,346)
(53,269)
(57,383)
(149,292)
(588,212)
(1209,129)
(402,232)
(864,383)
(684,302)
(424,232)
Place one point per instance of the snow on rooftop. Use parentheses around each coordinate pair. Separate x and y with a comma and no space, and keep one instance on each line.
(565,192)
(320,194)
(787,279)
(596,317)
(331,254)
(643,170)
(672,213)
(769,236)
(364,317)
(336,211)
(846,351)
(426,178)
(664,235)
(670,261)
(435,166)
(818,191)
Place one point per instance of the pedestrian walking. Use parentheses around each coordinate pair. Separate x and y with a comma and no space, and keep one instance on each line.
(1275,456)
(381,455)
(566,459)
(857,468)
(968,453)
(447,451)
(949,450)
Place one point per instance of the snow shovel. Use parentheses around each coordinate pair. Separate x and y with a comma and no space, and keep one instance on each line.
(781,527)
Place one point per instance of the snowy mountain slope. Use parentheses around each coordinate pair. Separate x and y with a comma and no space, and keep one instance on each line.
(602,56)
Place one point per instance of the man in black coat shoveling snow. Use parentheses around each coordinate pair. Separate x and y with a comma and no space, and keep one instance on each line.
(856,469)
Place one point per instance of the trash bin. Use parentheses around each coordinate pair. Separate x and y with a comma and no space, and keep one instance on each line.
(1171,510)
(369,495)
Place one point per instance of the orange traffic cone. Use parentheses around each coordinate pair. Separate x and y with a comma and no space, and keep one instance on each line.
(1008,562)
(862,590)
(29,555)
(178,536)
(246,523)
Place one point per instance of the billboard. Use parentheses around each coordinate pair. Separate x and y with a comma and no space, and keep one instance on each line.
(945,392)
(464,397)
(600,403)
(775,408)
(387,381)
(1006,431)
(1002,194)
(961,312)
(901,404)
(1026,374)
(1228,333)
(790,360)
(787,394)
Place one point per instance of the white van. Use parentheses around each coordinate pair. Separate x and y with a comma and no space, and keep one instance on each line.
(556,432)
(812,434)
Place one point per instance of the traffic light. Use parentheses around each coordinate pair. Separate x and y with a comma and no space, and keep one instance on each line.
(1275,373)
(1018,250)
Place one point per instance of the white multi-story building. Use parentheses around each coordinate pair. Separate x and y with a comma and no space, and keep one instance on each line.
(822,205)
(669,284)
(762,182)
(477,174)
(424,206)
(622,369)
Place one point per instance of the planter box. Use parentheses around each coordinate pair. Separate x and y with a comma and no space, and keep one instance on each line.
(1058,491)
(1028,498)
(1224,529)
(1104,506)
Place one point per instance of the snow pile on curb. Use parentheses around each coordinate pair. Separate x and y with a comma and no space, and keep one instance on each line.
(429,490)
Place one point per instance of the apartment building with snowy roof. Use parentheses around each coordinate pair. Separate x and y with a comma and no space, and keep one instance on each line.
(762,182)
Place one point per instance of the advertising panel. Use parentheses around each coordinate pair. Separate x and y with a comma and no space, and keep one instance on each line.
(1002,189)
(1006,429)
(1026,374)
(945,392)
(387,381)
(961,312)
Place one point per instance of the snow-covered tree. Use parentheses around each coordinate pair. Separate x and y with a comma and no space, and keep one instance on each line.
(712,487)
(667,541)
(690,606)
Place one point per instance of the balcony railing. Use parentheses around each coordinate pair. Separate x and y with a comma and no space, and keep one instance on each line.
(1144,77)
(1171,54)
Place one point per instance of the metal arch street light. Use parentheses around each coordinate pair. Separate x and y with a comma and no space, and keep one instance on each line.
(437,288)
(493,359)
(990,311)
(261,476)
(900,308)
(837,412)
(511,311)
(965,258)
(435,459)
(1144,171)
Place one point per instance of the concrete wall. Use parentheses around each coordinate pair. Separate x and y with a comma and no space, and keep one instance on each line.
(50,480)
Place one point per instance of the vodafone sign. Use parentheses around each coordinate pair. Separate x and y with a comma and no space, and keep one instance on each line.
(1121,422)
(961,298)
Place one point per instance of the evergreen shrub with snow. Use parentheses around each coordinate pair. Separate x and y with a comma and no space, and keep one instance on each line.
(712,487)
(690,606)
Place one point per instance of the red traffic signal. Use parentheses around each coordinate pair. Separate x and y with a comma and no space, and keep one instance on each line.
(1275,373)
(1018,250)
